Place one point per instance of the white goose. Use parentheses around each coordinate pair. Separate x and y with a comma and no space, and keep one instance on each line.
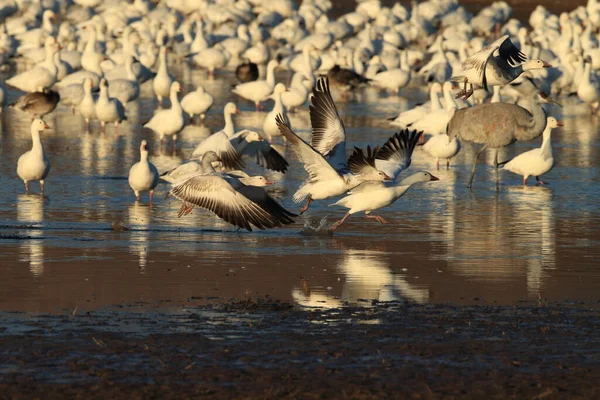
(588,89)
(170,121)
(408,117)
(297,93)
(34,165)
(240,201)
(143,175)
(212,59)
(162,81)
(87,106)
(535,162)
(125,90)
(197,102)
(270,128)
(394,79)
(330,174)
(436,120)
(108,109)
(372,195)
(191,168)
(483,69)
(258,91)
(42,75)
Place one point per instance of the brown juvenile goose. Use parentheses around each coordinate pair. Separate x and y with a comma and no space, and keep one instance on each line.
(38,103)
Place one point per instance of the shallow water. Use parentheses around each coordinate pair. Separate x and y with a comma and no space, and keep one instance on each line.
(445,243)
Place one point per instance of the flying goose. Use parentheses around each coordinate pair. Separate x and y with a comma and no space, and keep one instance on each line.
(240,201)
(485,69)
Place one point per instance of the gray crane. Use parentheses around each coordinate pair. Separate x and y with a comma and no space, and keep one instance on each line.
(497,125)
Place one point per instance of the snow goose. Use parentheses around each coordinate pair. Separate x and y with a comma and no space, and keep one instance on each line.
(408,117)
(588,89)
(270,128)
(39,103)
(535,162)
(162,81)
(372,195)
(108,109)
(297,93)
(34,165)
(239,201)
(143,175)
(33,38)
(90,58)
(212,59)
(87,106)
(258,91)
(170,121)
(197,102)
(42,75)
(394,79)
(125,90)
(484,69)
(191,168)
(325,181)
(62,68)
(258,54)
(435,121)
(237,44)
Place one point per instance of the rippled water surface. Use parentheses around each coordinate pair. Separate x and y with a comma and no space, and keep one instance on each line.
(445,243)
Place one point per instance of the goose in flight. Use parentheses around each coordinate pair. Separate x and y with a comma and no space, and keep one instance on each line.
(240,201)
(330,173)
(484,69)
(372,195)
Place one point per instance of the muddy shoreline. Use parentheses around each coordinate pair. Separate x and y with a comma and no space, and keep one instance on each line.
(270,349)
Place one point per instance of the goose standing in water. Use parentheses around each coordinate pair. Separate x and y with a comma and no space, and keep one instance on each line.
(372,195)
(162,81)
(143,175)
(34,165)
(87,106)
(197,102)
(108,109)
(535,162)
(38,103)
(483,69)
(125,90)
(270,128)
(170,121)
(258,91)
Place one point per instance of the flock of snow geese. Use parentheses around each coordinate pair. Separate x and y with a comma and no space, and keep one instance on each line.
(101,52)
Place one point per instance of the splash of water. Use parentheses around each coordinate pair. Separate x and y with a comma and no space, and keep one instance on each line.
(316,227)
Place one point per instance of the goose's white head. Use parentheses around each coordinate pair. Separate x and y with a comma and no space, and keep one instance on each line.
(38,125)
(87,83)
(535,64)
(175,87)
(552,123)
(422,176)
(200,89)
(231,108)
(259,181)
(253,137)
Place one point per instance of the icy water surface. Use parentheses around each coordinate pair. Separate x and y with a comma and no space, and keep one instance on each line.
(445,243)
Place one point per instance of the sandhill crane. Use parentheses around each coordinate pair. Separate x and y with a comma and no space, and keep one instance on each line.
(497,125)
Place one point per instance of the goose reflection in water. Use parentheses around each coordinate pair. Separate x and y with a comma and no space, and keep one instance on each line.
(30,211)
(140,217)
(367,276)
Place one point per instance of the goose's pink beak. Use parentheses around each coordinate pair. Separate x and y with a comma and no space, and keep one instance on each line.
(546,65)
(434,178)
(560,123)
(387,177)
(46,126)
(268,182)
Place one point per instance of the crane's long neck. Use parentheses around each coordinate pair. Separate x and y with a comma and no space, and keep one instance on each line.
(537,122)
(229,127)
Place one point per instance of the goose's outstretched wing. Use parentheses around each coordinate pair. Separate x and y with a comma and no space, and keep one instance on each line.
(506,50)
(214,193)
(260,196)
(395,155)
(360,163)
(328,132)
(266,156)
(220,144)
(314,163)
